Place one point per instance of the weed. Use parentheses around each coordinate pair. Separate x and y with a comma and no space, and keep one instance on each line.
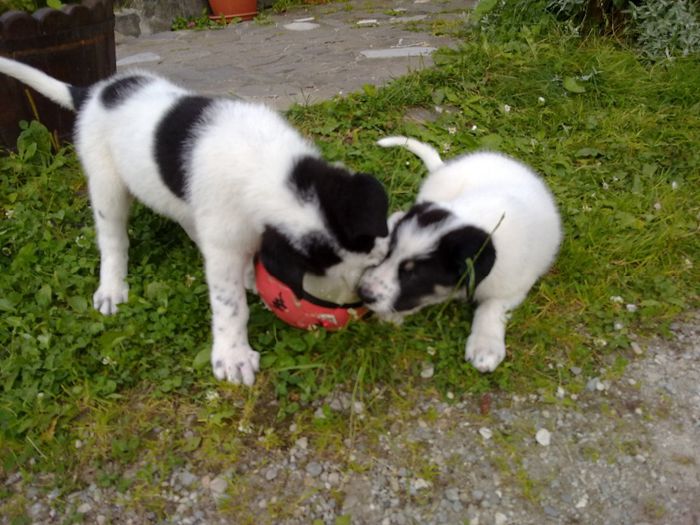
(205,22)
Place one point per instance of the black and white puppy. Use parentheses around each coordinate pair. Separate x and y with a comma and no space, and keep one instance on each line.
(483,222)
(228,171)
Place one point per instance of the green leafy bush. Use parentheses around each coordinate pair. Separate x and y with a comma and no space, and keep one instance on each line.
(30,5)
(659,28)
(667,27)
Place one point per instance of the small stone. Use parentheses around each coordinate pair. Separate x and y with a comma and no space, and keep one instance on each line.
(218,485)
(576,370)
(84,508)
(500,519)
(358,407)
(271,474)
(187,478)
(139,58)
(333,478)
(560,393)
(320,414)
(367,22)
(427,371)
(313,469)
(485,433)
(452,494)
(636,348)
(419,484)
(631,307)
(595,384)
(302,443)
(477,495)
(550,511)
(582,502)
(101,520)
(543,437)
(301,26)
(398,52)
(37,509)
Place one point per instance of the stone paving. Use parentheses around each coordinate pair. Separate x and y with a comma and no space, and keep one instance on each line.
(306,55)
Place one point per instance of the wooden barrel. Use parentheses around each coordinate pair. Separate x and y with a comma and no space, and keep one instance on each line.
(75,44)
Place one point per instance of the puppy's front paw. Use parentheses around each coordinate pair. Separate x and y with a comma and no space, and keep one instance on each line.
(108,296)
(485,353)
(237,365)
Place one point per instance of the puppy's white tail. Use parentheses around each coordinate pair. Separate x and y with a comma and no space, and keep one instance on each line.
(426,153)
(50,87)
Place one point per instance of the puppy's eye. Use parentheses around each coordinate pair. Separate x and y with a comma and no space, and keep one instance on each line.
(406,267)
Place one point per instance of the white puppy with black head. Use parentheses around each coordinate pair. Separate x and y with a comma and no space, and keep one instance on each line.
(235,175)
(482,222)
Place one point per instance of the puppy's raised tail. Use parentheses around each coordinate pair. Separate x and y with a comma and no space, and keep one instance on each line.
(426,153)
(65,95)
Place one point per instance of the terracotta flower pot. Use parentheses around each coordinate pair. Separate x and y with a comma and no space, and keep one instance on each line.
(244,9)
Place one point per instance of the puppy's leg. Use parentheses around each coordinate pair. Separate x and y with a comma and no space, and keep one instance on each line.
(232,357)
(486,346)
(249,278)
(110,202)
(190,230)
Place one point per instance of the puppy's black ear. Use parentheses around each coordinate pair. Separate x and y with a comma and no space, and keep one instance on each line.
(355,206)
(468,254)
(358,215)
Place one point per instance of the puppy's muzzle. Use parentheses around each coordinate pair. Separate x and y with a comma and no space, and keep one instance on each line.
(366,294)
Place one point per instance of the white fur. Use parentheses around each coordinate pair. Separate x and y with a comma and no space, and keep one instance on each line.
(238,184)
(502,197)
(51,88)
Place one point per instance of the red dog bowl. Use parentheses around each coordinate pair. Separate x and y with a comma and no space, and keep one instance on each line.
(306,312)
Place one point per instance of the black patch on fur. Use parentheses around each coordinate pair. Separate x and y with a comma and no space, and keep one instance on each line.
(446,266)
(426,214)
(355,206)
(173,136)
(432,216)
(79,95)
(119,90)
(289,264)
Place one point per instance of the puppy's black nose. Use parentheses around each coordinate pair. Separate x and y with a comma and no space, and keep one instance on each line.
(366,295)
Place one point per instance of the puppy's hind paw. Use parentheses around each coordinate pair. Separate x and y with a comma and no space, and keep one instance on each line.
(236,366)
(107,297)
(485,353)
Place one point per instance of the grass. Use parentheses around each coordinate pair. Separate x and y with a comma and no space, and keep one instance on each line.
(616,141)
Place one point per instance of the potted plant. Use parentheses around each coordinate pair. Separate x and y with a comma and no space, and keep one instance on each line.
(74,43)
(229,9)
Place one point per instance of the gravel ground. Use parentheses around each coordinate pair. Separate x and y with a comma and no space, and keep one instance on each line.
(623,451)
